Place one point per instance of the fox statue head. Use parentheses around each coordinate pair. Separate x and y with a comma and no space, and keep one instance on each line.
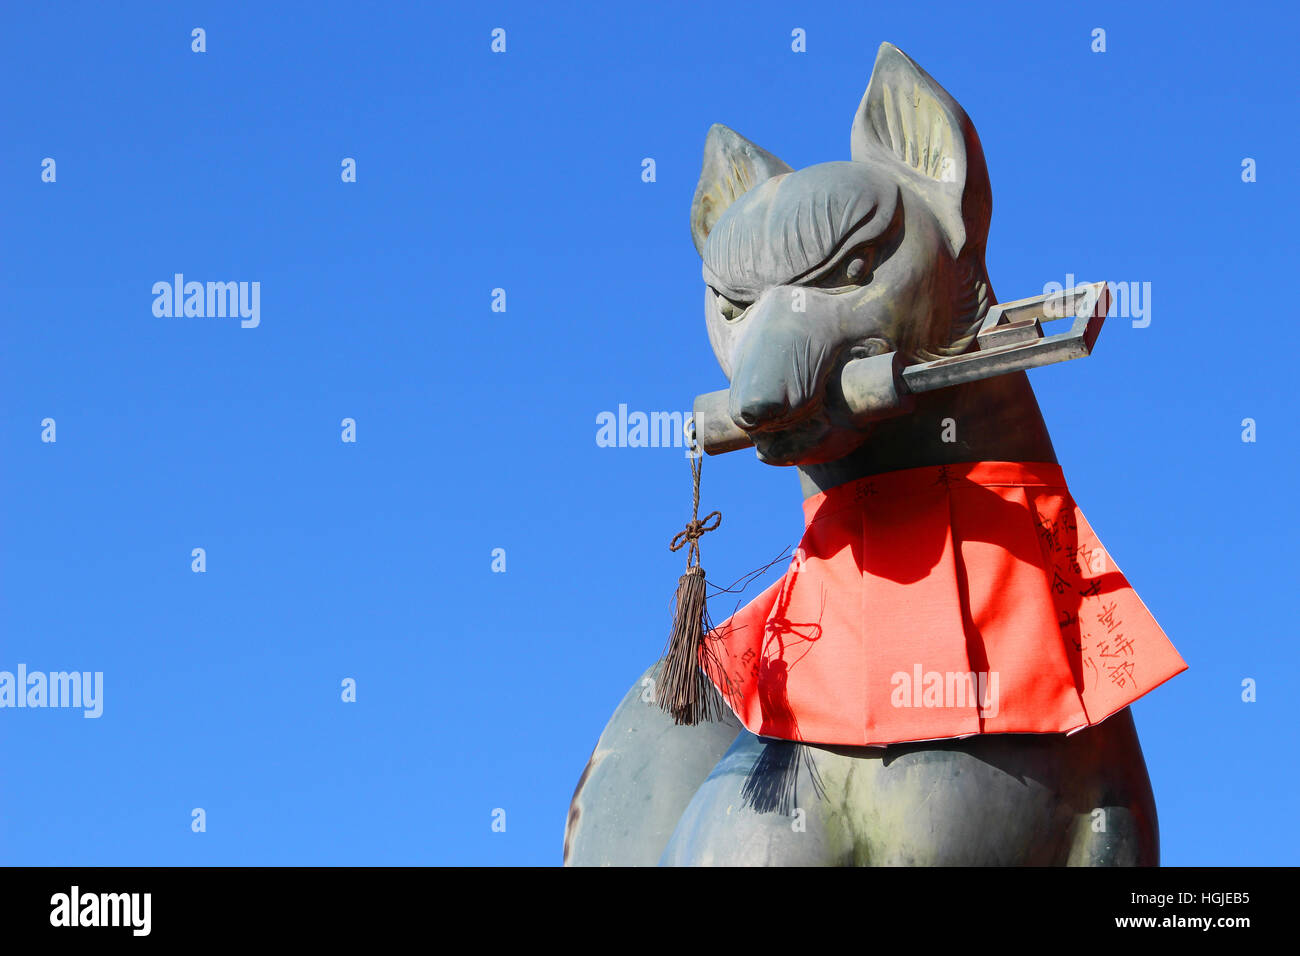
(807,270)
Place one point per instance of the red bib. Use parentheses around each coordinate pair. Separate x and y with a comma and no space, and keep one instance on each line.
(941,602)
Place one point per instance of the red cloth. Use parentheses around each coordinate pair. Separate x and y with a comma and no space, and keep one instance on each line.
(941,602)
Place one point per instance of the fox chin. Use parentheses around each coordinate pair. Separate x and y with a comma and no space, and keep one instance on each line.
(813,440)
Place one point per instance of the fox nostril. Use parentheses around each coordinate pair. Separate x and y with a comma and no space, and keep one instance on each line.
(754,413)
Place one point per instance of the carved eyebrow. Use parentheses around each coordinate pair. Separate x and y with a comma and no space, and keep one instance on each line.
(856,238)
(770,239)
(719,286)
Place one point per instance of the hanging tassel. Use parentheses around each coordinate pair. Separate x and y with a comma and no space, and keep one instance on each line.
(685,689)
(772,785)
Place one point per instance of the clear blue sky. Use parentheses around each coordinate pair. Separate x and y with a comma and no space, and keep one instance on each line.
(476,429)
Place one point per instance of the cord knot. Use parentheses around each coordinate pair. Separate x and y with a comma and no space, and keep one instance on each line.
(691,534)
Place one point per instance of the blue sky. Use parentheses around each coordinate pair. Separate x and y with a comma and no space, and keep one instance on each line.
(476,429)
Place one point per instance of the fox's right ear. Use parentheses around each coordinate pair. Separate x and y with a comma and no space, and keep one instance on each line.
(906,119)
(732,166)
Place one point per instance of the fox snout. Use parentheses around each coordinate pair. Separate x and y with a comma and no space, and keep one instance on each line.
(782,364)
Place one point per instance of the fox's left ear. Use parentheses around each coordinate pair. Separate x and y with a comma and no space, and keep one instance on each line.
(907,119)
(732,166)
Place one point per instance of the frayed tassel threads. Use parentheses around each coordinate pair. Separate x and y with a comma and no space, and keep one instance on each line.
(685,690)
(772,785)
(773,782)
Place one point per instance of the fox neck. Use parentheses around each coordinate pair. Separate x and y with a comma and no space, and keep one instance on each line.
(996,419)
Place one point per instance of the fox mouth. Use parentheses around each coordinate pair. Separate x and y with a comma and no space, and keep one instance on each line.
(795,443)
(816,431)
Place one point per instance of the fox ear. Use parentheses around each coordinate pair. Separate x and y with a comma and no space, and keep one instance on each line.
(908,119)
(732,166)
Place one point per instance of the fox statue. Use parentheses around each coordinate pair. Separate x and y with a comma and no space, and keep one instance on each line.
(840,744)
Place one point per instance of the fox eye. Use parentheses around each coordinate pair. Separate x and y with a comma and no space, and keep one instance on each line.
(853,269)
(859,264)
(731,310)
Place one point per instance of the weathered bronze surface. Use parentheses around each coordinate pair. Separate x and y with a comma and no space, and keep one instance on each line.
(879,259)
(644,771)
